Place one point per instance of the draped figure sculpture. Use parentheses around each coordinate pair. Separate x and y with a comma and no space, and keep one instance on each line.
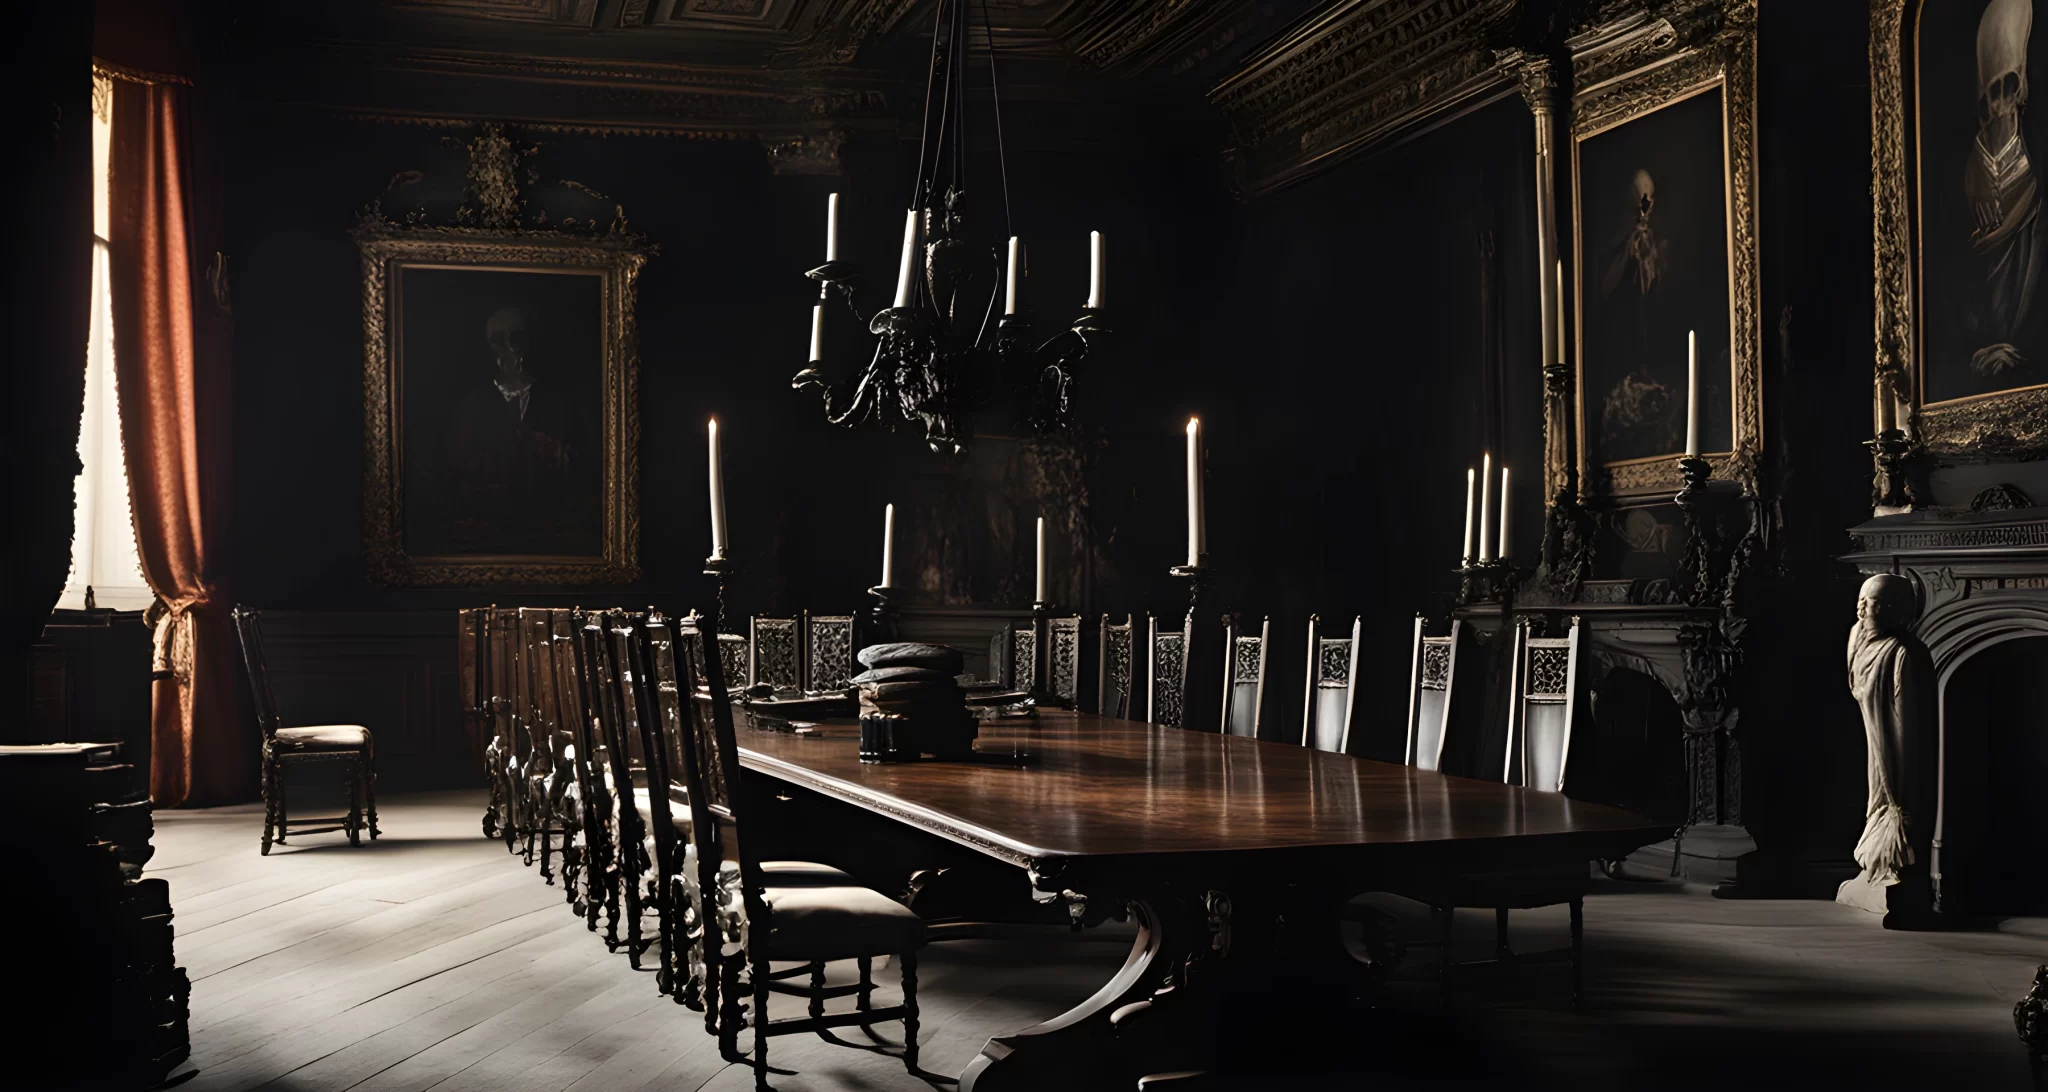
(1890,675)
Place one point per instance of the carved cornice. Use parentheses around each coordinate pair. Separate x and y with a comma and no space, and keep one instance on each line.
(1361,73)
(1133,35)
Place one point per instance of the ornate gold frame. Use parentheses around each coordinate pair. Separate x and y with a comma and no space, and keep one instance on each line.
(1629,69)
(617,259)
(2003,424)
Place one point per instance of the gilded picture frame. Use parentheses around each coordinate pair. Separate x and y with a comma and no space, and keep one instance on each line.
(1630,77)
(1958,426)
(525,504)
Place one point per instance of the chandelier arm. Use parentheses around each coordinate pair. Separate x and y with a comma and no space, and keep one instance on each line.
(917,185)
(995,93)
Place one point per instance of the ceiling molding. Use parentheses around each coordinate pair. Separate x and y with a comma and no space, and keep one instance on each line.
(1357,75)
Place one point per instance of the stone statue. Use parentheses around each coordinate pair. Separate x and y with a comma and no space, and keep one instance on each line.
(1890,675)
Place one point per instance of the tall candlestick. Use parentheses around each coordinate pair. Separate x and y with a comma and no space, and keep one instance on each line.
(1692,396)
(1010,287)
(832,228)
(817,332)
(1486,507)
(1560,311)
(1095,270)
(1040,596)
(1470,487)
(717,493)
(1887,407)
(888,546)
(909,250)
(1503,513)
(1197,530)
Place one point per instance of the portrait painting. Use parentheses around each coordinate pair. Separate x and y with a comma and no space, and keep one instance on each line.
(1654,260)
(499,379)
(1983,245)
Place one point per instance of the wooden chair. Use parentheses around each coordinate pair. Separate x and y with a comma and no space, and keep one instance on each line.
(1331,688)
(501,762)
(737,653)
(1114,682)
(471,663)
(587,755)
(1166,672)
(1433,675)
(1244,677)
(828,652)
(284,748)
(1545,673)
(628,837)
(553,776)
(1021,669)
(754,919)
(775,653)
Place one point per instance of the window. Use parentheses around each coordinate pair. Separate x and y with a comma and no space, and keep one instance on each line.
(105,571)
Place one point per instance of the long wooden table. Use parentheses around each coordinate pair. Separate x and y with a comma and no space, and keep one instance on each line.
(1233,856)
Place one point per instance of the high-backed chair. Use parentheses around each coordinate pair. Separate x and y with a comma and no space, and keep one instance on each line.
(471,662)
(1065,665)
(775,653)
(628,834)
(285,748)
(1433,675)
(1166,660)
(828,651)
(592,811)
(1244,676)
(1331,688)
(501,755)
(1543,692)
(736,653)
(1115,688)
(754,919)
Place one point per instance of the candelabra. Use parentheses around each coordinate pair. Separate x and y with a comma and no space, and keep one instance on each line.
(1890,486)
(1197,577)
(881,616)
(1696,569)
(1489,580)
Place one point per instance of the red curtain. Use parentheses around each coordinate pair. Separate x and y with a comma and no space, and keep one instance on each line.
(173,426)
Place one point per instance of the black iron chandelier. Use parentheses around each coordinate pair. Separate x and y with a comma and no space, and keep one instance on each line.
(943,357)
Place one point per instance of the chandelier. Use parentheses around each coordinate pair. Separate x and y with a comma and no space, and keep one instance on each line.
(942,356)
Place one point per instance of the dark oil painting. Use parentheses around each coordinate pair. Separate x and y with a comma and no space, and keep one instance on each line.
(1653,215)
(501,386)
(1979,194)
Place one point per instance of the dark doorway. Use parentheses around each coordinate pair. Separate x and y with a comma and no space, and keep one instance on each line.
(1629,750)
(1994,829)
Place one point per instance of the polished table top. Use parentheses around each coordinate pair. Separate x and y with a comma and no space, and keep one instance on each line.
(1097,787)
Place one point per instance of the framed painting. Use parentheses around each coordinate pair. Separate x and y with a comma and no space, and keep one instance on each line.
(1961,244)
(499,394)
(1663,188)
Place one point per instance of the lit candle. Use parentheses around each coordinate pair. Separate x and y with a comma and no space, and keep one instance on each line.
(1095,268)
(717,493)
(1486,507)
(888,546)
(909,250)
(1010,288)
(1692,395)
(1040,597)
(1560,311)
(1470,477)
(832,228)
(1197,544)
(817,332)
(1503,513)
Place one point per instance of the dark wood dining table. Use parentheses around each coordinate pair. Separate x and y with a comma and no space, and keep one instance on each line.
(1233,856)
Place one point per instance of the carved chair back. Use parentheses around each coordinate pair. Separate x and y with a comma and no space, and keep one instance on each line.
(543,718)
(502,627)
(645,646)
(601,672)
(729,897)
(733,655)
(774,654)
(584,750)
(1244,675)
(828,646)
(1167,673)
(1021,670)
(1544,677)
(1021,657)
(249,628)
(469,676)
(1331,687)
(1432,683)
(1115,662)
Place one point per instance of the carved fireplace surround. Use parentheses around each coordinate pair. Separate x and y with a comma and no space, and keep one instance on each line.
(1982,580)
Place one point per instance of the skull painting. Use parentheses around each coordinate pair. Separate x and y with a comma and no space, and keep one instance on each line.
(506,332)
(2000,185)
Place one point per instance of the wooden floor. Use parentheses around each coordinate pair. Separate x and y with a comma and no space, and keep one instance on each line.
(433,960)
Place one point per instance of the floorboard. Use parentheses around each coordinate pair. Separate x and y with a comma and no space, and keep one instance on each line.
(434,960)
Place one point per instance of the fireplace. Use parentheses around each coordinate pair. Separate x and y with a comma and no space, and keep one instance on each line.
(1982,581)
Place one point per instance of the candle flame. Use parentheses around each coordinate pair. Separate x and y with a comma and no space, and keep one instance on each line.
(1194,423)
(712,426)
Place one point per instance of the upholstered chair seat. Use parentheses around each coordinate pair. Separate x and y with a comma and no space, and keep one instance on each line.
(815,923)
(324,737)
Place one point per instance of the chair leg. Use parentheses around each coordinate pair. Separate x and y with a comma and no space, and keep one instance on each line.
(547,845)
(865,999)
(1578,955)
(269,802)
(1501,951)
(760,976)
(284,819)
(352,824)
(909,960)
(370,790)
(817,990)
(1446,918)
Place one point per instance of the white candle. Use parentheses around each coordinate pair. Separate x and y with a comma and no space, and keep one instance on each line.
(909,250)
(1095,266)
(1560,311)
(1040,596)
(1470,487)
(817,332)
(832,228)
(1486,507)
(1010,288)
(1692,395)
(1503,513)
(888,546)
(717,493)
(1197,546)
(1887,408)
